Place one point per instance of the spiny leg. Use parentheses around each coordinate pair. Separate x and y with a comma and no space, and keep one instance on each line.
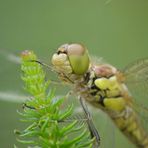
(93,131)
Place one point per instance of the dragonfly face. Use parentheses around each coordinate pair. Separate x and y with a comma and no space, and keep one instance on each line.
(71,59)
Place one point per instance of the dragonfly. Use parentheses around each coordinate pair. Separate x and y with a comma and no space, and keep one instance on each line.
(119,94)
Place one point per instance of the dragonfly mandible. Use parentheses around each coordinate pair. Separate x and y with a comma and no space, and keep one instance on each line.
(108,88)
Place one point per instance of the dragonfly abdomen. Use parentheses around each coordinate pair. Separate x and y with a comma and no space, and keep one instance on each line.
(130,125)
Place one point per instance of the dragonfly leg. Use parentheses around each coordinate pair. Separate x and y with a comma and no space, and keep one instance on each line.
(93,131)
(27,106)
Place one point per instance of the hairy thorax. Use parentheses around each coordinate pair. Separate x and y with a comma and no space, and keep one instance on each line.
(99,89)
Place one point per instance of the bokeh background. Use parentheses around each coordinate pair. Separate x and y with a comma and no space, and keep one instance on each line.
(116,30)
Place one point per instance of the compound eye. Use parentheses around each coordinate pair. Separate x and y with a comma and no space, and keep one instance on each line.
(78,58)
(76,49)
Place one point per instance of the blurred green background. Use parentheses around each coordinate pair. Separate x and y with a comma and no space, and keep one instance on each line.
(116,30)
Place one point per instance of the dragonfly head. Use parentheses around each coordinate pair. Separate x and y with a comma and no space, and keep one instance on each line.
(71,59)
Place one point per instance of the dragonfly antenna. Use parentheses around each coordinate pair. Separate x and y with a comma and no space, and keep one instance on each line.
(48,66)
(43,64)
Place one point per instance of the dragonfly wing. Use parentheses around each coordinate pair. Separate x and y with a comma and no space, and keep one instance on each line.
(143,114)
(135,69)
(136,79)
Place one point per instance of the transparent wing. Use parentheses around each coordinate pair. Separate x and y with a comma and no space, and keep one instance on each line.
(142,113)
(136,75)
(136,79)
